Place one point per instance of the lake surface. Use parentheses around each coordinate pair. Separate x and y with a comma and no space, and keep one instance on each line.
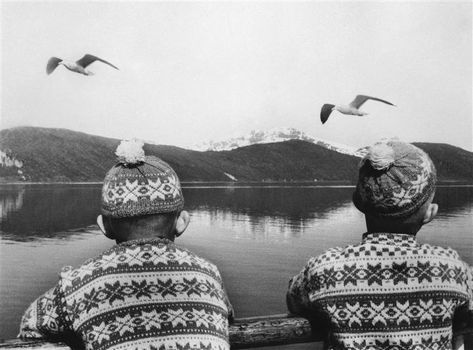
(259,236)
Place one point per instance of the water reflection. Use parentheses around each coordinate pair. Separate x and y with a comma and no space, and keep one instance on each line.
(46,211)
(267,227)
(293,203)
(49,211)
(454,201)
(11,201)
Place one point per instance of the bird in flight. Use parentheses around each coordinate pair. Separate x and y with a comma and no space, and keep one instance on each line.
(77,66)
(352,108)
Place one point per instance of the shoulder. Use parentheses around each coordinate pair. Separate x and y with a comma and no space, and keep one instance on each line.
(447,259)
(336,257)
(330,255)
(445,252)
(106,261)
(199,262)
(324,260)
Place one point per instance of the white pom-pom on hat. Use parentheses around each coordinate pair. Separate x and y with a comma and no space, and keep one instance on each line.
(130,152)
(381,156)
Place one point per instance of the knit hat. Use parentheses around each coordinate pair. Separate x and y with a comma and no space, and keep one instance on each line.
(140,185)
(395,179)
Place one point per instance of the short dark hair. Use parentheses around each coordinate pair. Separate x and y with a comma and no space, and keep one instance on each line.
(160,223)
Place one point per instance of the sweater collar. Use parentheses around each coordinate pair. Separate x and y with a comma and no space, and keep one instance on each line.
(397,239)
(146,241)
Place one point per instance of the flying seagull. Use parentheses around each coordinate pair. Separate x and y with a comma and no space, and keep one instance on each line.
(77,66)
(352,108)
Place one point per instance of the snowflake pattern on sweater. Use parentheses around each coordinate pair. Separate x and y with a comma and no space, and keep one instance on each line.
(147,294)
(387,293)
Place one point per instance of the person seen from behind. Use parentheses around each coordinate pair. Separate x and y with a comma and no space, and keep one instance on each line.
(388,292)
(146,292)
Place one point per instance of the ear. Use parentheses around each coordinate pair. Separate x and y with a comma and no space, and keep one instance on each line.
(430,213)
(104,227)
(182,222)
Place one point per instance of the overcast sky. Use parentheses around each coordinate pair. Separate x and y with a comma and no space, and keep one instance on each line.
(193,72)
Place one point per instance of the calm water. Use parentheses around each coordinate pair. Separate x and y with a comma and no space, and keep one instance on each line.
(258,236)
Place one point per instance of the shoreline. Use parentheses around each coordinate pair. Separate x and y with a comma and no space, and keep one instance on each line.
(236,184)
(182,182)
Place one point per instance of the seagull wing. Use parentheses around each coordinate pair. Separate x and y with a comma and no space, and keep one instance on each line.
(360,99)
(52,64)
(88,59)
(325,112)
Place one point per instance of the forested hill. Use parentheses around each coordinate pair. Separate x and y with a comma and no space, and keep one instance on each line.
(34,154)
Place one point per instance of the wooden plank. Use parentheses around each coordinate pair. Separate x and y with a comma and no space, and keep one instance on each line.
(270,330)
(32,344)
(248,332)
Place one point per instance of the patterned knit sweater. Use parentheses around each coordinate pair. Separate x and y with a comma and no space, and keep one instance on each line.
(387,293)
(144,294)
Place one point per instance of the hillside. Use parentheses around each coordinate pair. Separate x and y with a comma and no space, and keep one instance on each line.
(43,154)
(64,155)
(59,155)
(453,163)
(290,160)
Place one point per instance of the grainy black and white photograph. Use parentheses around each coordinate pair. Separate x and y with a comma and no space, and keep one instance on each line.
(216,175)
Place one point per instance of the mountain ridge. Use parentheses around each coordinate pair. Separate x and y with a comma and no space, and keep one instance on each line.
(271,136)
(32,154)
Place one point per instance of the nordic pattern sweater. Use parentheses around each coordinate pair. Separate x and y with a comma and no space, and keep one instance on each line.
(144,294)
(387,293)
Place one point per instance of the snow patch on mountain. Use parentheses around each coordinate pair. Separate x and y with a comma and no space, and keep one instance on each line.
(274,135)
(8,160)
(231,177)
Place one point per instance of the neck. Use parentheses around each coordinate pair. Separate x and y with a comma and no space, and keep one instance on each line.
(143,235)
(378,225)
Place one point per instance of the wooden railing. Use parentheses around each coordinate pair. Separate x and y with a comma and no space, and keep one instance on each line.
(252,332)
